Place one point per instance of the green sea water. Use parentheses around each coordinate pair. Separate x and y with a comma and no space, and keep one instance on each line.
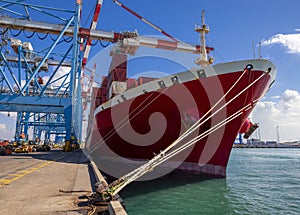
(259,181)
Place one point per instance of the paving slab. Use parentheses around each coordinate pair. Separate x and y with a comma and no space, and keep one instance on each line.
(44,183)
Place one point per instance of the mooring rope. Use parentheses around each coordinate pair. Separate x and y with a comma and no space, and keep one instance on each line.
(161,157)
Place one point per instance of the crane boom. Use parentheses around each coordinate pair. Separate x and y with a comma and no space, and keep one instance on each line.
(144,20)
(41,27)
(92,27)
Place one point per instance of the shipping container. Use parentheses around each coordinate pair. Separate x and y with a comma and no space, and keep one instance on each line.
(143,80)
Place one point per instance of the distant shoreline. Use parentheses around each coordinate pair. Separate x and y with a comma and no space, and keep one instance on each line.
(266,146)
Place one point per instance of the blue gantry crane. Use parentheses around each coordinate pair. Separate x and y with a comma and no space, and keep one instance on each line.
(41,63)
(40,68)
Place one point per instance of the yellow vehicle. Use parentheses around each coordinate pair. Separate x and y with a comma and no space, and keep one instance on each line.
(22,149)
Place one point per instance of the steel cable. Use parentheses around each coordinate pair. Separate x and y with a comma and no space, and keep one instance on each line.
(42,38)
(52,38)
(133,114)
(66,40)
(3,32)
(15,35)
(156,160)
(27,35)
(104,46)
(149,166)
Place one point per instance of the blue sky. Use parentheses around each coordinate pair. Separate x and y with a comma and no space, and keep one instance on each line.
(235,25)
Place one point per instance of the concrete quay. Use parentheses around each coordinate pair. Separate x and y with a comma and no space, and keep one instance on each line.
(49,183)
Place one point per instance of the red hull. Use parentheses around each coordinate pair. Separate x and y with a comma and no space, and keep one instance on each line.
(137,128)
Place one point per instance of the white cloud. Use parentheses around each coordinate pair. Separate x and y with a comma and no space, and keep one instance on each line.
(7,125)
(11,114)
(290,41)
(2,126)
(4,132)
(283,112)
(61,72)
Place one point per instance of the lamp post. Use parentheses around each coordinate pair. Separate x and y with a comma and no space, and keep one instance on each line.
(277,134)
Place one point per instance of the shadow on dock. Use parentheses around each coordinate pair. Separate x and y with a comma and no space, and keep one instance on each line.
(56,155)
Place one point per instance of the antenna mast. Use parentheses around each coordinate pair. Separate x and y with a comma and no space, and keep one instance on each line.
(203,30)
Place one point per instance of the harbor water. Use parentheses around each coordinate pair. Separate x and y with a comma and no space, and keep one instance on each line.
(259,181)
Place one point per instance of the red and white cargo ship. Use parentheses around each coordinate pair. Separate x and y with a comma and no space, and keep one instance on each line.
(131,120)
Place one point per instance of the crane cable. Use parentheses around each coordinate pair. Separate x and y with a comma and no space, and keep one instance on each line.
(41,38)
(144,20)
(117,185)
(2,32)
(88,43)
(31,35)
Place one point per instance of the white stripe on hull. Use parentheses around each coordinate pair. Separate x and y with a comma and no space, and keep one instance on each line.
(187,76)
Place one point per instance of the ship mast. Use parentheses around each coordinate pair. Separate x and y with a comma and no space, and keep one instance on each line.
(203,30)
